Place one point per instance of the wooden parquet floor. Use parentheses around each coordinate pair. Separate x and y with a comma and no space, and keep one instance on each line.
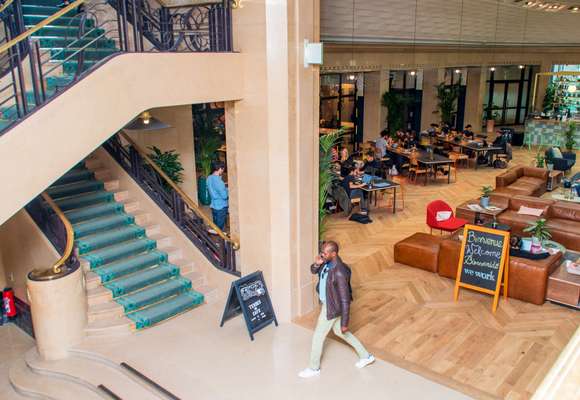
(408,317)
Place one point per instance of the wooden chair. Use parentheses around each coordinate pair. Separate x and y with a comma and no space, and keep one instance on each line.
(414,169)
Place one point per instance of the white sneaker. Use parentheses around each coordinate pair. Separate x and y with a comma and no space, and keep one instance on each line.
(309,373)
(363,362)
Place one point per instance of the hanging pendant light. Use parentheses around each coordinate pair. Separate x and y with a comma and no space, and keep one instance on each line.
(495,35)
(413,71)
(352,61)
(146,122)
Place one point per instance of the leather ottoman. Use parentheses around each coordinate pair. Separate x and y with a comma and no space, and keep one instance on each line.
(419,250)
(449,251)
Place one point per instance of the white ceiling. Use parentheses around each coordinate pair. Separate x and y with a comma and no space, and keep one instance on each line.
(443,21)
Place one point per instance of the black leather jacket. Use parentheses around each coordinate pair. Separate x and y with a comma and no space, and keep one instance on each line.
(338,291)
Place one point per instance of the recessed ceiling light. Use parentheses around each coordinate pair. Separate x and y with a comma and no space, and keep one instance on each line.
(457,71)
(413,73)
(521,66)
(492,69)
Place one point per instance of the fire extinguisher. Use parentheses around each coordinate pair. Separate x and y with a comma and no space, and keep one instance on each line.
(8,305)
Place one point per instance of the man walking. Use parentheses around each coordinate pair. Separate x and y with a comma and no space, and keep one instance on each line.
(335,295)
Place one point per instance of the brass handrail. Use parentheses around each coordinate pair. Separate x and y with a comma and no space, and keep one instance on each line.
(40,25)
(185,197)
(5,5)
(57,269)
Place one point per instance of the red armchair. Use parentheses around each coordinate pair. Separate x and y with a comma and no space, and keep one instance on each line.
(449,225)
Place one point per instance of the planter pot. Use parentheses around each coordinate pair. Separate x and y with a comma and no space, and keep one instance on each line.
(484,202)
(202,192)
(536,245)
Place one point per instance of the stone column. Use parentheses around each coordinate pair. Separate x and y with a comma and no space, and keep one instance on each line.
(543,82)
(431,77)
(383,87)
(59,314)
(372,117)
(474,97)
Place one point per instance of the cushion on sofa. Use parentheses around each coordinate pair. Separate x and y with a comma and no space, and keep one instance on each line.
(565,210)
(533,202)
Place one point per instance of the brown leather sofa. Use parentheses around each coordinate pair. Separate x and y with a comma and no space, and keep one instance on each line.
(563,219)
(520,180)
(527,280)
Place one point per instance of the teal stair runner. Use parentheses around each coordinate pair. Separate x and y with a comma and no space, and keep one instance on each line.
(60,41)
(139,276)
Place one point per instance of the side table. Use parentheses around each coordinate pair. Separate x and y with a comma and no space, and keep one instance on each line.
(564,287)
(554,180)
(485,216)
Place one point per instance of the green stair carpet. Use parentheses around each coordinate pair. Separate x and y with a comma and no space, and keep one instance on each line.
(139,276)
(60,40)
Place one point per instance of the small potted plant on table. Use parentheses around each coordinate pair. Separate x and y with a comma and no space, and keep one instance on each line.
(539,232)
(485,192)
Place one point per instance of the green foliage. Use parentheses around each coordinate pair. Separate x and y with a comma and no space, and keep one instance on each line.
(206,145)
(447,96)
(539,230)
(539,159)
(569,134)
(486,191)
(395,104)
(326,176)
(169,163)
(548,103)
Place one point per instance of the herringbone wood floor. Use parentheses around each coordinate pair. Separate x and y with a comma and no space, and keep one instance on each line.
(408,317)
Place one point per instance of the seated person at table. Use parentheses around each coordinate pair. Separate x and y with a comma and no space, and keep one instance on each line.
(343,154)
(468,133)
(381,142)
(432,130)
(445,129)
(354,190)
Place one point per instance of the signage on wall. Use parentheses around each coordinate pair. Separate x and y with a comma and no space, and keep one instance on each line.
(249,296)
(483,262)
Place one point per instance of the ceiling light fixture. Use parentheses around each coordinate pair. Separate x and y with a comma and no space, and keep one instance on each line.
(521,66)
(572,88)
(146,122)
(492,69)
(457,71)
(413,72)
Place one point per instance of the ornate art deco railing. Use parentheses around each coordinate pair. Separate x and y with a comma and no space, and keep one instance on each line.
(59,231)
(218,248)
(133,25)
(204,27)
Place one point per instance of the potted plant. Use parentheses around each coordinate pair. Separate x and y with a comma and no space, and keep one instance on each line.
(395,104)
(447,96)
(569,137)
(326,176)
(207,144)
(484,199)
(540,233)
(539,160)
(169,163)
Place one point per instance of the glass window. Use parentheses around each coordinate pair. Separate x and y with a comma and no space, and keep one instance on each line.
(329,113)
(512,95)
(347,109)
(397,79)
(510,117)
(498,95)
(329,84)
(348,87)
(507,72)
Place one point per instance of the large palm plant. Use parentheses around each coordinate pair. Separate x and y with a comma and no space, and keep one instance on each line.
(326,176)
(447,96)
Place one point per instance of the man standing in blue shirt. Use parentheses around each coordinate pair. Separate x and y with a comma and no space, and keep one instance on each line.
(334,293)
(219,194)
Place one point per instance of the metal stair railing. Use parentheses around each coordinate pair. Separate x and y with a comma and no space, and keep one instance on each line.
(133,26)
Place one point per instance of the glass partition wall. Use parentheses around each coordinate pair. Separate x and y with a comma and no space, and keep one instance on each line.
(508,94)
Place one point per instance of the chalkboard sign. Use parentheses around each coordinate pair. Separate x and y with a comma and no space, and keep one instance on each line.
(249,296)
(483,260)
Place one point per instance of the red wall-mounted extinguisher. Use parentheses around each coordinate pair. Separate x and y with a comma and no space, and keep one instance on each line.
(8,305)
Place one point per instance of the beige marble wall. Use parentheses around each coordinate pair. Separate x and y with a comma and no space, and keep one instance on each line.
(272,140)
(179,137)
(23,248)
